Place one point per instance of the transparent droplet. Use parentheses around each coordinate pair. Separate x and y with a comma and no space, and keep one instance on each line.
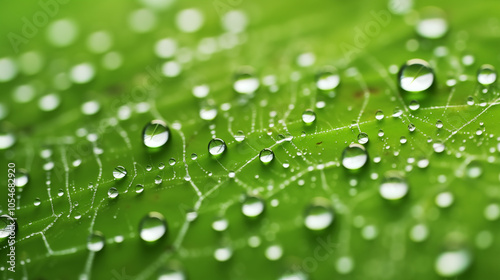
(266,155)
(308,117)
(152,227)
(208,112)
(394,186)
(119,172)
(344,265)
(414,105)
(201,91)
(363,138)
(239,136)
(439,124)
(95,241)
(452,263)
(474,169)
(411,127)
(444,199)
(22,178)
(139,188)
(327,79)
(171,274)
(112,192)
(7,226)
(486,75)
(223,254)
(274,252)
(379,115)
(216,147)
(318,215)
(220,224)
(252,206)
(245,81)
(171,161)
(158,180)
(432,23)
(438,146)
(155,134)
(416,75)
(354,157)
(7,140)
(37,202)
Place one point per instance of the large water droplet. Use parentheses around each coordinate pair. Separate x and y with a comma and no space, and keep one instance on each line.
(319,215)
(216,147)
(394,186)
(416,76)
(152,227)
(252,206)
(155,134)
(354,157)
(486,75)
(327,79)
(95,241)
(432,24)
(266,155)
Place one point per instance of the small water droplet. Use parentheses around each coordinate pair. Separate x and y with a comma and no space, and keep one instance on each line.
(379,115)
(327,79)
(22,178)
(354,157)
(319,215)
(223,254)
(6,226)
(139,188)
(239,136)
(486,75)
(95,241)
(220,224)
(266,156)
(112,192)
(414,105)
(363,138)
(152,227)
(439,124)
(432,23)
(155,134)
(216,147)
(245,81)
(474,169)
(416,75)
(438,146)
(411,127)
(308,117)
(274,252)
(171,161)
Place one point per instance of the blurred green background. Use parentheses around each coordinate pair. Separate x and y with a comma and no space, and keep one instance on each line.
(79,81)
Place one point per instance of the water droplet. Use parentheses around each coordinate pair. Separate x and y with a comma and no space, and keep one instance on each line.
(82,73)
(189,20)
(171,274)
(119,172)
(474,169)
(444,199)
(112,192)
(266,155)
(432,24)
(379,115)
(486,75)
(414,105)
(223,254)
(319,215)
(354,157)
(171,161)
(439,124)
(158,180)
(452,263)
(201,91)
(152,227)
(7,140)
(308,117)
(139,188)
(394,186)
(22,178)
(274,252)
(208,112)
(416,75)
(293,276)
(37,202)
(95,241)
(239,136)
(438,146)
(411,127)
(245,81)
(6,226)
(252,206)
(216,147)
(220,224)
(419,233)
(344,265)
(363,138)
(327,79)
(155,134)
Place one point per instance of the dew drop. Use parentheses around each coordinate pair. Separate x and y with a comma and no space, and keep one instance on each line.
(223,254)
(394,186)
(274,252)
(252,206)
(112,192)
(439,124)
(414,105)
(216,147)
(155,134)
(208,112)
(416,75)
(433,24)
(308,117)
(220,224)
(6,227)
(354,157)
(379,115)
(22,178)
(318,216)
(327,79)
(139,188)
(245,81)
(486,75)
(171,274)
(438,146)
(474,169)
(363,138)
(95,241)
(152,227)
(37,202)
(266,156)
(452,263)
(239,136)
(119,172)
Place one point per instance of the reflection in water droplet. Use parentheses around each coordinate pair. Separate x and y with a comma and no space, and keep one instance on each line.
(220,224)
(452,263)
(486,75)
(6,226)
(155,134)
(416,75)
(216,147)
(438,146)
(308,117)
(139,188)
(363,138)
(379,115)
(152,227)
(354,157)
(432,24)
(95,241)
(327,79)
(266,156)
(37,202)
(252,206)
(414,105)
(245,81)
(474,169)
(119,172)
(239,136)
(22,178)
(394,186)
(112,192)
